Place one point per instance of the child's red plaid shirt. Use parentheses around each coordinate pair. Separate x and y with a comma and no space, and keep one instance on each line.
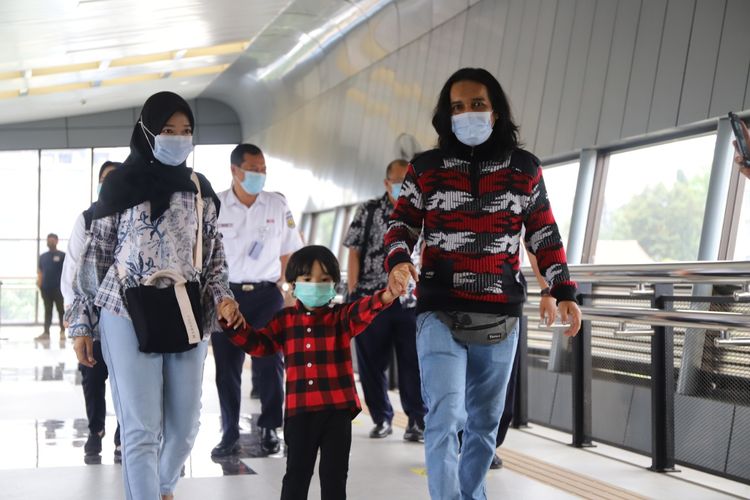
(318,357)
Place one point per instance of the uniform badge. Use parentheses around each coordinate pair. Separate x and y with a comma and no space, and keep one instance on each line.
(290,220)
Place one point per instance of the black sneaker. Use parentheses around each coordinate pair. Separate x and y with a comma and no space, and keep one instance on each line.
(497,462)
(118,454)
(414,433)
(93,444)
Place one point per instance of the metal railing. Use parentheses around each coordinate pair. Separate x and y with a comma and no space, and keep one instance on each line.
(655,321)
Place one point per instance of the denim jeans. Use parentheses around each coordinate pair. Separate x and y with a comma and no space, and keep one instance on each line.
(464,388)
(157,401)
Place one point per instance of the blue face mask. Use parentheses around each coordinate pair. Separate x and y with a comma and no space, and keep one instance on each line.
(314,294)
(98,190)
(253,182)
(170,149)
(472,128)
(396,189)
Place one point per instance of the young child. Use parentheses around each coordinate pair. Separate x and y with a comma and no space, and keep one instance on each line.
(321,398)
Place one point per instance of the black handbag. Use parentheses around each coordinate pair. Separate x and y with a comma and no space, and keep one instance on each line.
(169,319)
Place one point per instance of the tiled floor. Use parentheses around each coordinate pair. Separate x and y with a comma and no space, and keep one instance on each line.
(43,429)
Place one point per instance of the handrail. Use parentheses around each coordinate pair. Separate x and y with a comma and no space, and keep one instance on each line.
(711,320)
(726,272)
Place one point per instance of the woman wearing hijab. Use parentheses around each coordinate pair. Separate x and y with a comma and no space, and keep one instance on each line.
(146,221)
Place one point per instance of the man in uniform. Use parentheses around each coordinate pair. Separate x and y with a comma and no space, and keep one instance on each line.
(48,282)
(259,235)
(394,327)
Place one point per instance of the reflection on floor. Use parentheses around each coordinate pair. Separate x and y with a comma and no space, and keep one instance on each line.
(43,430)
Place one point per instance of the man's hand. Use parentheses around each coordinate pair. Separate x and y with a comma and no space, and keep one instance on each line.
(84,349)
(229,311)
(398,278)
(738,158)
(387,297)
(569,312)
(547,310)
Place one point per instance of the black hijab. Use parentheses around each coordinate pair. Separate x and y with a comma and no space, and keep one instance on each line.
(144,178)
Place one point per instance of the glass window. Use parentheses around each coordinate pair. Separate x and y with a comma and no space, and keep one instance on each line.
(213,162)
(323,228)
(654,200)
(100,156)
(742,244)
(66,187)
(19,300)
(19,174)
(560,181)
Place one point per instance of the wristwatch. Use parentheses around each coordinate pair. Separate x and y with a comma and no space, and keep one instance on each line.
(544,292)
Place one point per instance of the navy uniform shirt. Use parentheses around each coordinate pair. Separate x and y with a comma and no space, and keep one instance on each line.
(51,265)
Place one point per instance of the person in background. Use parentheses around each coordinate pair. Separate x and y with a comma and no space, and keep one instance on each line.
(259,234)
(471,197)
(547,314)
(395,327)
(321,396)
(93,379)
(48,276)
(738,159)
(147,220)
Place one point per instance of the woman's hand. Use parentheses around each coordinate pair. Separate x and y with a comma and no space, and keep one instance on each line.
(84,349)
(229,311)
(569,311)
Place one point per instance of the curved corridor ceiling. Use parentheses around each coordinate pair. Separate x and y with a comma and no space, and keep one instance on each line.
(69,57)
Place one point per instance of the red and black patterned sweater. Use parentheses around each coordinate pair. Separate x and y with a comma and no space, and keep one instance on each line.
(472,214)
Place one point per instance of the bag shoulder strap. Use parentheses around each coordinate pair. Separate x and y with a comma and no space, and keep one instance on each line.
(198,253)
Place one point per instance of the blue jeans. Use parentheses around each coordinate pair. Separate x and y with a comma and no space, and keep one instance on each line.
(464,388)
(157,401)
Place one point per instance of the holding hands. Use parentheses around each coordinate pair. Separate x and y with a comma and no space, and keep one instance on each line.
(229,311)
(398,278)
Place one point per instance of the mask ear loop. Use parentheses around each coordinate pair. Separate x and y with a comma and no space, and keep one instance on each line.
(146,133)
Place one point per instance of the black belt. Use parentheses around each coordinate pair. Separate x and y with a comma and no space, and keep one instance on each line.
(249,287)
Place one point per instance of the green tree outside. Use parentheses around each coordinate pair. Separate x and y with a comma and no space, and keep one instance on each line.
(666,221)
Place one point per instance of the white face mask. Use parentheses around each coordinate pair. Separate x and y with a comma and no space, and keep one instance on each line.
(472,128)
(170,149)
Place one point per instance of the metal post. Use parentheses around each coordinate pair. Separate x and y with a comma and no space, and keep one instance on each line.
(581,376)
(716,201)
(521,396)
(581,204)
(662,388)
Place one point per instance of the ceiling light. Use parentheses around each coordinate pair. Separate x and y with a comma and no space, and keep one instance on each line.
(124,80)
(180,54)
(104,64)
(11,75)
(67,68)
(145,59)
(52,89)
(206,70)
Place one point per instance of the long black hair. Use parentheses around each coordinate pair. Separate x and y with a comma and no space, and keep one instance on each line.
(504,138)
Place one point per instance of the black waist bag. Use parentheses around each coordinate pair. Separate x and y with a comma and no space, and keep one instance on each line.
(477,328)
(158,320)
